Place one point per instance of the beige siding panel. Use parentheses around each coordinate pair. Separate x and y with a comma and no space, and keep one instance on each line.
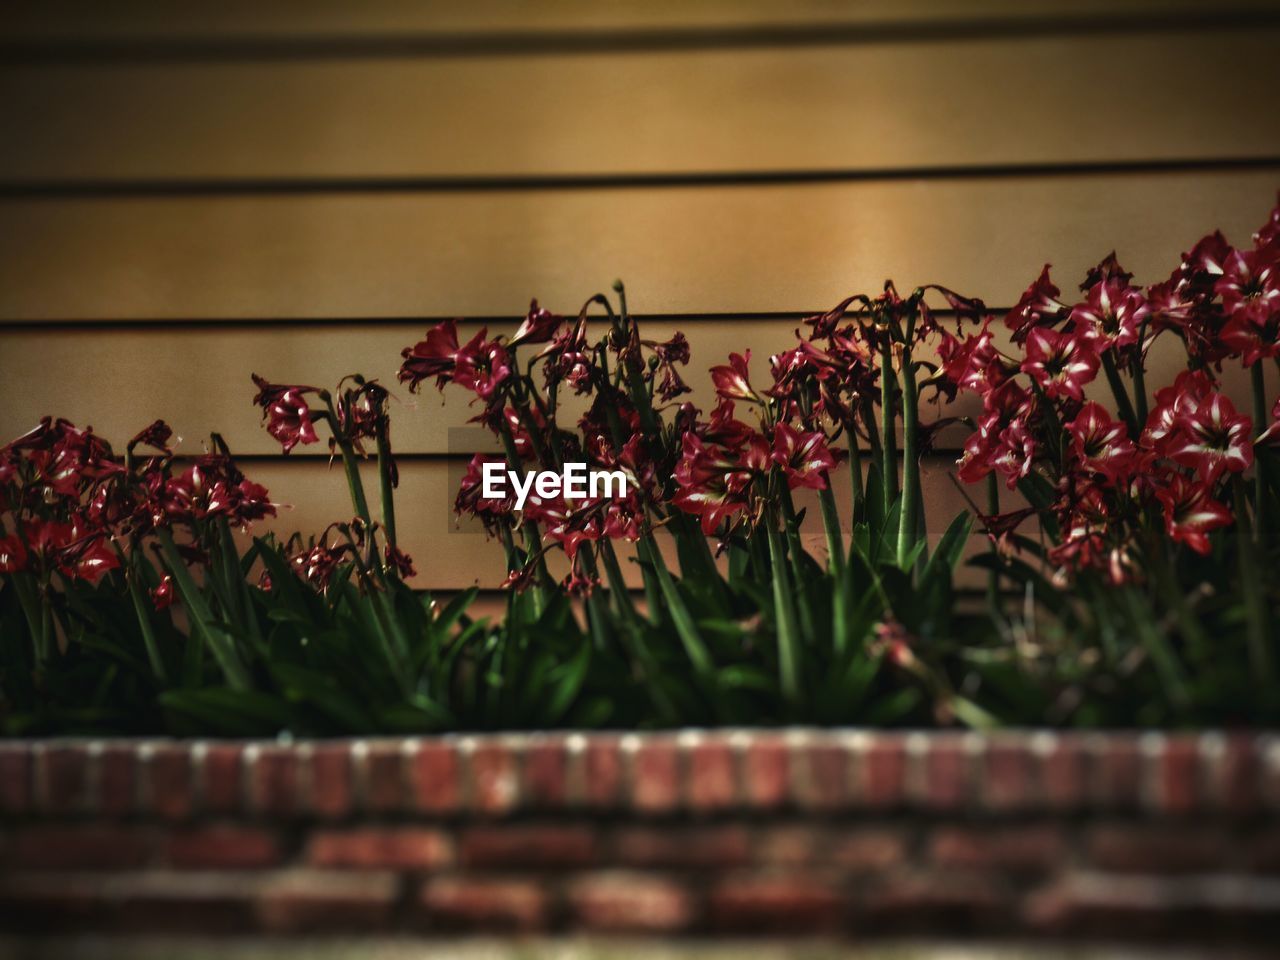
(880,106)
(231,19)
(681,250)
(453,556)
(197,378)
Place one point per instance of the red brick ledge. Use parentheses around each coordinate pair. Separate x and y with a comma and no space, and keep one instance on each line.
(786,832)
(645,775)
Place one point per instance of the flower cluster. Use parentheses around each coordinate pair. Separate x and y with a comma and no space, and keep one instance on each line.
(1173,456)
(70,508)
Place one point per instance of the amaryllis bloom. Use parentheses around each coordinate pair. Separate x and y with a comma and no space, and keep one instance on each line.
(1204,263)
(1061,363)
(732,381)
(1037,307)
(396,559)
(1250,285)
(538,326)
(1190,512)
(1102,444)
(1213,439)
(568,358)
(1013,453)
(285,409)
(1107,270)
(162,597)
(973,363)
(317,564)
(712,482)
(1111,316)
(157,436)
(803,457)
(13,555)
(435,356)
(470,500)
(1189,390)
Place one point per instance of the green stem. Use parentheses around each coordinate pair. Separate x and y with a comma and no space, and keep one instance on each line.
(855,473)
(788,641)
(888,434)
(993,510)
(1260,490)
(831,525)
(686,629)
(1255,605)
(795,552)
(386,487)
(219,641)
(1123,405)
(910,460)
(143,613)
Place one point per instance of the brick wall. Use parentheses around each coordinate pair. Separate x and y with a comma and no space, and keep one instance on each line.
(787,832)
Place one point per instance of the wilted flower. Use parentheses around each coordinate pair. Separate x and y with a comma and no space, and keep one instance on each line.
(285,409)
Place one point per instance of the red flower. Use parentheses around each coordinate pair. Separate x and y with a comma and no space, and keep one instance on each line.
(803,457)
(1102,444)
(538,326)
(13,555)
(1250,285)
(1060,363)
(1190,512)
(285,409)
(317,564)
(1111,315)
(732,381)
(156,436)
(1038,306)
(1274,430)
(973,363)
(1213,439)
(162,597)
(400,561)
(1189,390)
(712,483)
(436,356)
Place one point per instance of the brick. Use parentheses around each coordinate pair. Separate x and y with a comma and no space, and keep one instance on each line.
(545,775)
(169,789)
(273,781)
(602,772)
(89,846)
(494,779)
(712,777)
(884,772)
(866,848)
(401,848)
(542,846)
(306,901)
(117,780)
(943,774)
(1116,772)
(823,781)
(1008,776)
(655,776)
(777,905)
(1200,909)
(15,778)
(1177,778)
(703,846)
(630,903)
(1235,779)
(1062,773)
(766,772)
(332,786)
(385,790)
(1136,848)
(62,772)
(435,774)
(956,902)
(222,782)
(1012,848)
(223,847)
(485,905)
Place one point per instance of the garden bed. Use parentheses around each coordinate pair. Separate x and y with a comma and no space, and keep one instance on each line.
(792,832)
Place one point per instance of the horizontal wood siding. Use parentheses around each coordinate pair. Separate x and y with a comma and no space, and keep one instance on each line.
(298,189)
